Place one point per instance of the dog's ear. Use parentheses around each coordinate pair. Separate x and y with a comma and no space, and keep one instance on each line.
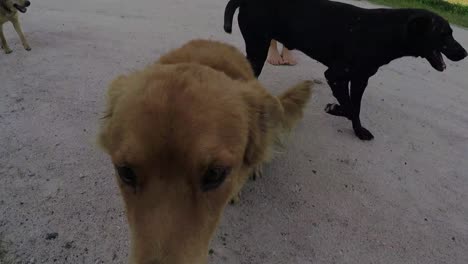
(265,114)
(419,25)
(114,92)
(3,4)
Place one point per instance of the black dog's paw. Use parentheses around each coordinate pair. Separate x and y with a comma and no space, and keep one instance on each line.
(336,110)
(363,134)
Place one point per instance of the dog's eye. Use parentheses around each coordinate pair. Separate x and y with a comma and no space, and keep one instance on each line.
(214,177)
(127,175)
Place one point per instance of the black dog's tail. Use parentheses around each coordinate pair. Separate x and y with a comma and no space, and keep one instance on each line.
(229,14)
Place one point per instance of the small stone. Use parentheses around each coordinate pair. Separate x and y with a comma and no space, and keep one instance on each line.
(68,245)
(314,171)
(51,236)
(211,252)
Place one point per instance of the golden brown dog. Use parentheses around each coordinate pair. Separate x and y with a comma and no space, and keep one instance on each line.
(9,12)
(184,134)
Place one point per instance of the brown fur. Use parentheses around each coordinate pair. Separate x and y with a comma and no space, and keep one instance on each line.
(199,106)
(212,54)
(8,13)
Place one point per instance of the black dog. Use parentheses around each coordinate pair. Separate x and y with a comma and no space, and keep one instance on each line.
(352,42)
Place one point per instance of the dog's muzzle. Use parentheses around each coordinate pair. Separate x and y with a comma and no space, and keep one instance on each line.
(23,8)
(453,50)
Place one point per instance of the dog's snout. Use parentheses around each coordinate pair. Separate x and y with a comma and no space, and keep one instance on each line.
(27,3)
(463,54)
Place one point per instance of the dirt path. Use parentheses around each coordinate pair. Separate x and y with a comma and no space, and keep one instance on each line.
(402,198)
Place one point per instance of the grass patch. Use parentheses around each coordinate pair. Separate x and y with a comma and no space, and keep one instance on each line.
(456,13)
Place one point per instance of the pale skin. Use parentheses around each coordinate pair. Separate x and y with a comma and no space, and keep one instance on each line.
(275,58)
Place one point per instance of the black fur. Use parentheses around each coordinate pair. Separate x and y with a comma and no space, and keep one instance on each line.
(352,42)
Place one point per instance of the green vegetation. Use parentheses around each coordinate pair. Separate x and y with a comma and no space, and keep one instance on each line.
(455,13)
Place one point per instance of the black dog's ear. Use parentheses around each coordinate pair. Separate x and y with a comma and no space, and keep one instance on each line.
(419,25)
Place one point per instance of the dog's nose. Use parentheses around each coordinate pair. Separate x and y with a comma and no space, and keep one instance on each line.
(27,3)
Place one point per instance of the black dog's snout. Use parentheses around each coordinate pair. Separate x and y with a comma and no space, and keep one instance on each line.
(27,3)
(454,51)
(463,54)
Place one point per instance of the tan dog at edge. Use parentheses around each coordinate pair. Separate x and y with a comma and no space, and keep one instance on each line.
(9,12)
(184,135)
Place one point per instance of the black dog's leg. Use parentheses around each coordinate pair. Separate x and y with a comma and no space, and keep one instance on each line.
(341,93)
(257,52)
(255,30)
(357,90)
